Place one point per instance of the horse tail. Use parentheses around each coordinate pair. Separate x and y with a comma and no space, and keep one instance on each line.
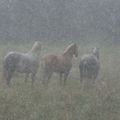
(4,72)
(9,65)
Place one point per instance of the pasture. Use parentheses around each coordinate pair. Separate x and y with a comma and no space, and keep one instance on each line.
(55,102)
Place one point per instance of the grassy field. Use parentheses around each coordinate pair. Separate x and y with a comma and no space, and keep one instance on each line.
(98,102)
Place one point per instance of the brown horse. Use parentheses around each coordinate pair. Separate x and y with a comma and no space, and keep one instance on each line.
(60,64)
(27,63)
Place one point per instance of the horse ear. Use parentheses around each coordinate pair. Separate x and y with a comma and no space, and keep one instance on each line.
(73,44)
(38,42)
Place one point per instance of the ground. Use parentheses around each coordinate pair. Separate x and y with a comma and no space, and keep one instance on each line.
(55,102)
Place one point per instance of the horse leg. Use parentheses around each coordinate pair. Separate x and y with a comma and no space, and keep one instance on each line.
(26,77)
(4,73)
(81,77)
(33,78)
(47,73)
(65,77)
(81,81)
(49,76)
(8,77)
(61,75)
(94,78)
(44,77)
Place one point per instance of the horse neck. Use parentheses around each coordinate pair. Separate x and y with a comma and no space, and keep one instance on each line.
(34,52)
(97,55)
(68,54)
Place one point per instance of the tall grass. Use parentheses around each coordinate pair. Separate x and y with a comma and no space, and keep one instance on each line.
(98,102)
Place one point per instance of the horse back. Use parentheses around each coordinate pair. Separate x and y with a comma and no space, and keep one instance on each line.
(57,63)
(50,59)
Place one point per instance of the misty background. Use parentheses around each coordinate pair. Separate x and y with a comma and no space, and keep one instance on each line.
(80,20)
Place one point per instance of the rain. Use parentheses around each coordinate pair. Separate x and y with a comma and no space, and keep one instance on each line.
(60,60)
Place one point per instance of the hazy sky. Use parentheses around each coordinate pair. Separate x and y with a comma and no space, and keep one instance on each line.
(59,19)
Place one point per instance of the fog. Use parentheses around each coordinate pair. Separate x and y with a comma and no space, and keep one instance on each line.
(72,81)
(83,20)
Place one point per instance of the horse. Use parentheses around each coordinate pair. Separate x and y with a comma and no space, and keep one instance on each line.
(90,65)
(60,64)
(27,63)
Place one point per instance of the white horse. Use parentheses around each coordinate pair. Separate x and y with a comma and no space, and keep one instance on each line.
(27,63)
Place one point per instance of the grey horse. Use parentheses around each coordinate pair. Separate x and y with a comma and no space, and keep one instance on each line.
(27,63)
(90,65)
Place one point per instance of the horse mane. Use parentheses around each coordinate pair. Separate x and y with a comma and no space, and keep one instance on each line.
(95,51)
(68,48)
(36,47)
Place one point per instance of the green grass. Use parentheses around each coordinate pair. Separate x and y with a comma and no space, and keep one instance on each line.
(98,102)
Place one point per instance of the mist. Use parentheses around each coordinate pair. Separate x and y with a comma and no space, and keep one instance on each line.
(50,43)
(80,20)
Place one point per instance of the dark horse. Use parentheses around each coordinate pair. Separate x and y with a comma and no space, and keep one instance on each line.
(89,66)
(60,64)
(22,62)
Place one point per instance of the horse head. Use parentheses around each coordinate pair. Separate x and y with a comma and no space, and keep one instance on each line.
(36,48)
(75,49)
(71,50)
